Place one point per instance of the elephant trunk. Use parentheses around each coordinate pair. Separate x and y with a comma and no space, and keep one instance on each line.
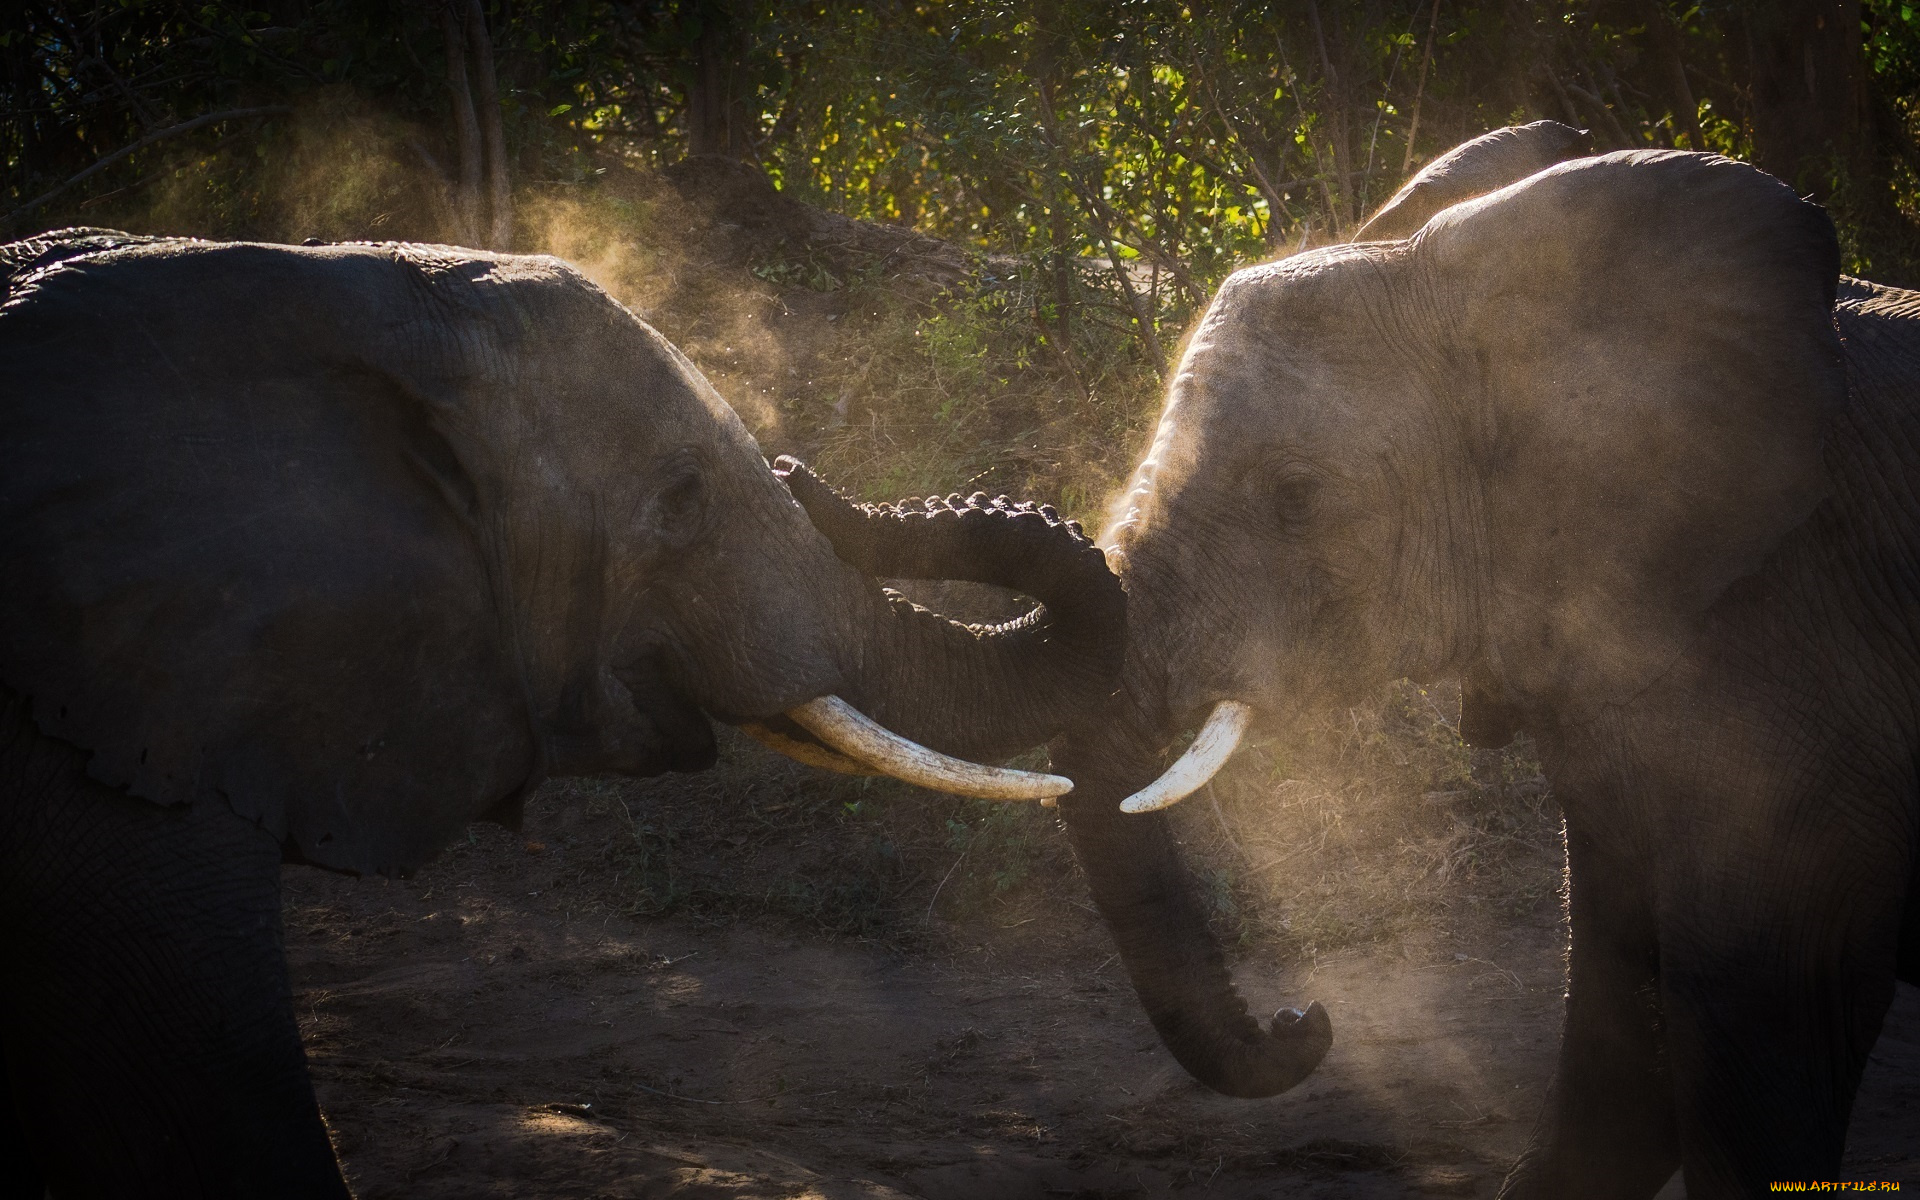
(979,692)
(1159,923)
(987,692)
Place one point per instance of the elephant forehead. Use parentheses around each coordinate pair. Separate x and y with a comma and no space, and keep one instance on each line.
(705,404)
(1273,387)
(601,403)
(1314,318)
(1307,287)
(1289,354)
(575,362)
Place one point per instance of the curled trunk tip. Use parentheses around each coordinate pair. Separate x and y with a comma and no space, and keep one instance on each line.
(1265,1064)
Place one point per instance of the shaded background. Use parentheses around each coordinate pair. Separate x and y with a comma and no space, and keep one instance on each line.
(1093,169)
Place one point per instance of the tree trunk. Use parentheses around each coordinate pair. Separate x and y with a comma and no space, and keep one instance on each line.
(1143,317)
(486,98)
(1420,90)
(1060,269)
(716,113)
(1342,206)
(1805,79)
(1666,44)
(1058,232)
(466,128)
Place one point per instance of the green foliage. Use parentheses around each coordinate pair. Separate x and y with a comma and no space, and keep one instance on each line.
(809,272)
(1130,154)
(1892,36)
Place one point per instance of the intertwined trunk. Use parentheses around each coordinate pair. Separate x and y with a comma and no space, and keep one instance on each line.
(979,692)
(984,693)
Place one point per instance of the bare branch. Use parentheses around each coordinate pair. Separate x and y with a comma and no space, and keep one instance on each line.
(1380,114)
(1343,210)
(1142,318)
(1420,90)
(1667,43)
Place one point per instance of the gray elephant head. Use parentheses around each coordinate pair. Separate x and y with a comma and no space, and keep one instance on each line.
(367,540)
(1528,446)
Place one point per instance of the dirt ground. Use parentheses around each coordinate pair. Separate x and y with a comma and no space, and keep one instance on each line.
(497,1026)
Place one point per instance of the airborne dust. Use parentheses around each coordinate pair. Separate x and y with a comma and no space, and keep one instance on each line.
(769,981)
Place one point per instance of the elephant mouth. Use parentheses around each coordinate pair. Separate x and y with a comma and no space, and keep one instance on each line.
(828,732)
(1211,748)
(791,738)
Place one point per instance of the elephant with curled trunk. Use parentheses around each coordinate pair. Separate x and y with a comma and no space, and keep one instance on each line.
(317,554)
(1616,446)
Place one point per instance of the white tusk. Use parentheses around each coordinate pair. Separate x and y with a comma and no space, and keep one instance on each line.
(1211,749)
(857,735)
(806,752)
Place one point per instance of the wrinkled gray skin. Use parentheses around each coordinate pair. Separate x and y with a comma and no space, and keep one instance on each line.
(1591,444)
(318,554)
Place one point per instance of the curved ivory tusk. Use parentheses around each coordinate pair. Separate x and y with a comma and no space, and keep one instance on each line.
(857,735)
(806,752)
(1211,749)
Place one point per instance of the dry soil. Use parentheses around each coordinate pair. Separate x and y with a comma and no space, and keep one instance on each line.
(489,1028)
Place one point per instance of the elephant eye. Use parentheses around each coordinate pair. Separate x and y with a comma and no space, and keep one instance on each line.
(681,504)
(1295,496)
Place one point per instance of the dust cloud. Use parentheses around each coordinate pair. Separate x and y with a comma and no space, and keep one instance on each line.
(896,361)
(337,170)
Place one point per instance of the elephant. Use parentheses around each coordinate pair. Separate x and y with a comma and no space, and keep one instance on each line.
(1616,446)
(315,554)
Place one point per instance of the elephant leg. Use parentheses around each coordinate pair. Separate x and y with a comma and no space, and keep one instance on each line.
(149,1027)
(1907,967)
(1768,1037)
(20,1177)
(1607,1129)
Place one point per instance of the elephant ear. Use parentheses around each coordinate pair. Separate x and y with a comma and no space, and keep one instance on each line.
(1474,168)
(244,563)
(1653,337)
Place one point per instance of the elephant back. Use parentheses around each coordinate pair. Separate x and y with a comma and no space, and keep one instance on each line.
(20,259)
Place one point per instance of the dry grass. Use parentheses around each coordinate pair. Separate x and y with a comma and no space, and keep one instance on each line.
(762,837)
(1375,824)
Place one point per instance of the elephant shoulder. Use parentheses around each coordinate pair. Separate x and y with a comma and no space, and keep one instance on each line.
(20,260)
